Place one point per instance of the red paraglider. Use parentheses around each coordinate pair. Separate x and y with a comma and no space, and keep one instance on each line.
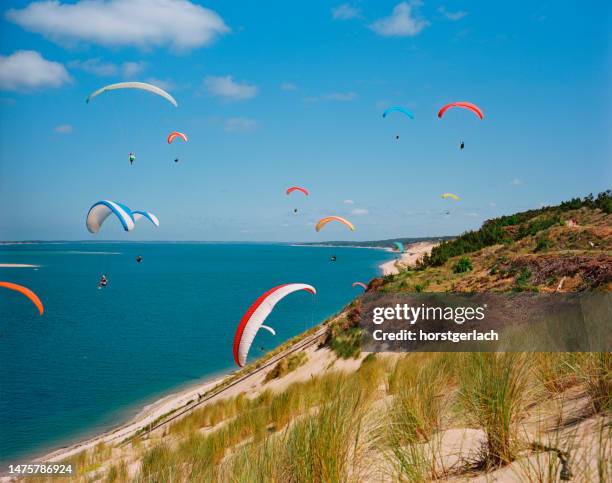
(25,291)
(465,105)
(360,284)
(297,188)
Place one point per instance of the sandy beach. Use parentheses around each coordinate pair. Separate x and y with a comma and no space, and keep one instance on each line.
(409,257)
(17,265)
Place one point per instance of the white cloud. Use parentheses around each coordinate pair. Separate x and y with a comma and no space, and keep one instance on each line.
(516,182)
(345,12)
(179,24)
(164,84)
(403,21)
(131,69)
(348,202)
(360,212)
(240,124)
(64,129)
(108,69)
(340,96)
(228,88)
(27,69)
(288,86)
(454,16)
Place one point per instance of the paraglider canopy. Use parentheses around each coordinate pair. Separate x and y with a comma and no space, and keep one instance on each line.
(297,188)
(360,284)
(134,85)
(464,105)
(138,214)
(450,195)
(256,315)
(101,210)
(27,292)
(398,109)
(175,134)
(269,329)
(399,246)
(324,221)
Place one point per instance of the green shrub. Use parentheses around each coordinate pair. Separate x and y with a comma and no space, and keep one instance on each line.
(286,365)
(463,265)
(543,244)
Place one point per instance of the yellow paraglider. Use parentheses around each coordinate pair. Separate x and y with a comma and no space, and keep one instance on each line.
(450,195)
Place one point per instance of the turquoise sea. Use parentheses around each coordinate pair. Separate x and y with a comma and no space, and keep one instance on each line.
(97,356)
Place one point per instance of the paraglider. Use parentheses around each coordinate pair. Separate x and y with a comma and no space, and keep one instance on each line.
(360,284)
(175,134)
(101,210)
(254,318)
(406,112)
(269,329)
(462,145)
(324,221)
(332,258)
(398,109)
(27,292)
(134,85)
(138,259)
(138,214)
(399,246)
(176,160)
(132,158)
(103,281)
(297,188)
(450,195)
(464,105)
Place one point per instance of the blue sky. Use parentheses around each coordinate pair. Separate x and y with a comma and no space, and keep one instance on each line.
(273,94)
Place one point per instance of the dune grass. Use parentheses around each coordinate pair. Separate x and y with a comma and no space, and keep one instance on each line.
(493,394)
(286,365)
(420,385)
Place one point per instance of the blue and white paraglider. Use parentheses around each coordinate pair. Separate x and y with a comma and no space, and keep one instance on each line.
(138,214)
(101,210)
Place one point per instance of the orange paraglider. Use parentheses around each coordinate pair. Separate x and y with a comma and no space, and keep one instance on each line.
(324,221)
(25,291)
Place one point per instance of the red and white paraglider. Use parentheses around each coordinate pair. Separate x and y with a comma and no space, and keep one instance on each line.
(360,284)
(175,134)
(254,318)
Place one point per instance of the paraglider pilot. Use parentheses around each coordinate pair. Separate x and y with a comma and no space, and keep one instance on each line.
(103,281)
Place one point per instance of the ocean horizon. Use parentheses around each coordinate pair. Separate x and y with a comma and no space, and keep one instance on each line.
(98,356)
